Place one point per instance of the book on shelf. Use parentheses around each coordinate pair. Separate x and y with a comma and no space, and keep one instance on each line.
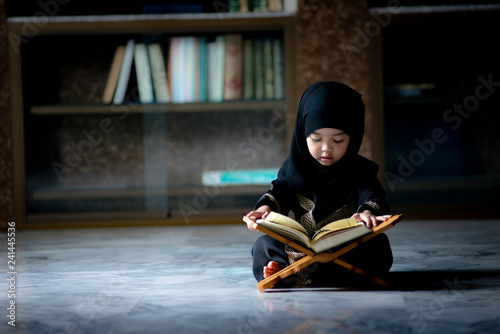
(197,88)
(233,72)
(279,91)
(188,68)
(233,6)
(275,5)
(158,73)
(210,70)
(143,72)
(220,60)
(248,70)
(239,177)
(114,73)
(329,236)
(189,73)
(202,63)
(172,8)
(268,69)
(290,5)
(244,6)
(215,68)
(258,68)
(175,66)
(259,5)
(123,79)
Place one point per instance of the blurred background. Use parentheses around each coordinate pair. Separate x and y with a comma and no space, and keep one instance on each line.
(428,72)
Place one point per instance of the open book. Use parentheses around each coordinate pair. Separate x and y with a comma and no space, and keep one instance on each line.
(329,236)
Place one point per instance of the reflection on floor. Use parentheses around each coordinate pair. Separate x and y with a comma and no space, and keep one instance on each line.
(192,279)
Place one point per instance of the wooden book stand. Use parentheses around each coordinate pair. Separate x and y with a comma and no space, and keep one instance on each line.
(312,257)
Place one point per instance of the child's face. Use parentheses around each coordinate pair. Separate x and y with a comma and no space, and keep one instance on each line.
(327,145)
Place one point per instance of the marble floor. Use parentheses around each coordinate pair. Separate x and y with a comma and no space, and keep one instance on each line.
(197,279)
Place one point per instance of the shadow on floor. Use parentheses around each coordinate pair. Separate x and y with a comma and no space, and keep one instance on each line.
(438,280)
(417,281)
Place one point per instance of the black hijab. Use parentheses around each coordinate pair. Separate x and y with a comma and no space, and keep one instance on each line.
(325,105)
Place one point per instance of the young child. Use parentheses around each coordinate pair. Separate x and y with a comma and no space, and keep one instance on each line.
(323,180)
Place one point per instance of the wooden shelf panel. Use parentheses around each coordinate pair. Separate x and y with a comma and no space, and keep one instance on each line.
(79,109)
(105,24)
(137,218)
(128,192)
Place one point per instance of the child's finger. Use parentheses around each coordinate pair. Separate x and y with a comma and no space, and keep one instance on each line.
(369,222)
(252,226)
(252,215)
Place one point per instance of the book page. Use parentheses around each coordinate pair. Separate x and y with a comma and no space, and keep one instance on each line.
(286,221)
(334,227)
(339,237)
(286,231)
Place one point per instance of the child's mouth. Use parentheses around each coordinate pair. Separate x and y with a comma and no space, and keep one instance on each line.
(326,159)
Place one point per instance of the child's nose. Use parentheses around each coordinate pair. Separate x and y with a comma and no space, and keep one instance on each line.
(326,147)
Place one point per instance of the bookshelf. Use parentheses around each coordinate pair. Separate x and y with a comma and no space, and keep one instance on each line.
(79,162)
(460,176)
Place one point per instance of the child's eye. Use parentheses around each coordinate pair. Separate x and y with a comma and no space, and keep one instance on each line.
(315,140)
(338,141)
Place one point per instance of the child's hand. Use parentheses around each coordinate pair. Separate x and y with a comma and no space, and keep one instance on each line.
(260,213)
(369,219)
